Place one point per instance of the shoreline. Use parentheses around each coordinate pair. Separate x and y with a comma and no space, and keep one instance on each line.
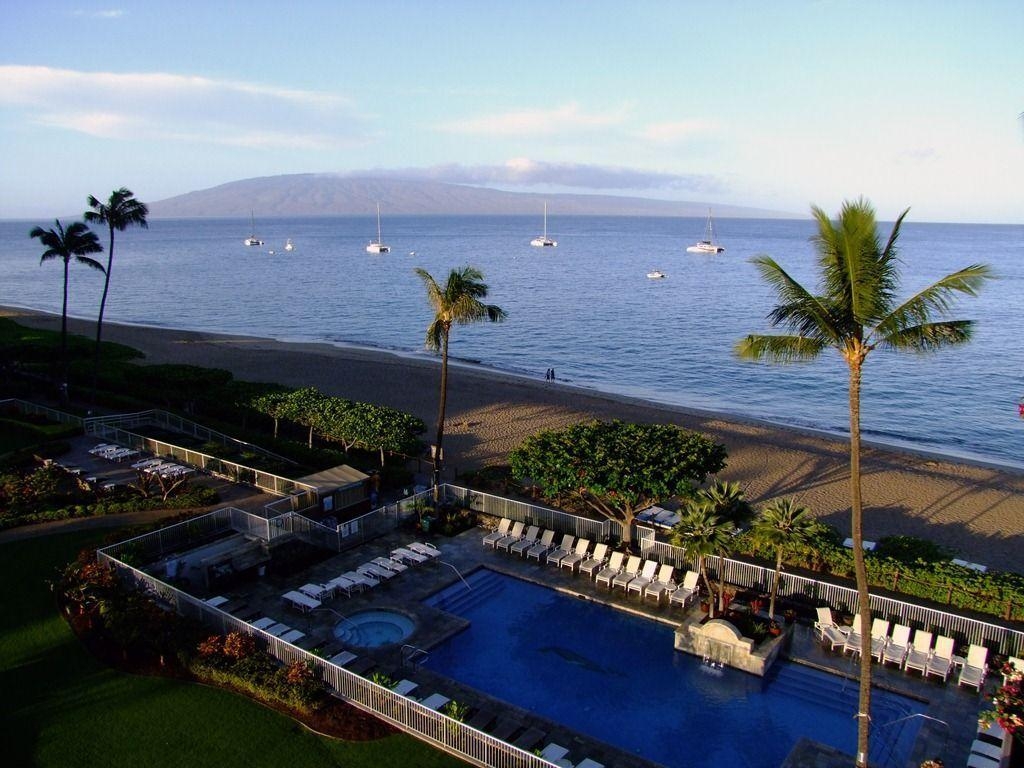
(974,508)
(897,446)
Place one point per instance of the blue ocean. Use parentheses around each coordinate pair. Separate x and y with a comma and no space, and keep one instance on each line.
(585,308)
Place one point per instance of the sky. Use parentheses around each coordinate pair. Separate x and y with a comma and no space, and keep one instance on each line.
(776,105)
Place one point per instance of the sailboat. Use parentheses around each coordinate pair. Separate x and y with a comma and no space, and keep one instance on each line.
(544,241)
(377,246)
(708,244)
(252,239)
(289,246)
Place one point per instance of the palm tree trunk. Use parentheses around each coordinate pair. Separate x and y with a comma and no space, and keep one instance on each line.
(775,583)
(440,416)
(864,607)
(103,304)
(64,336)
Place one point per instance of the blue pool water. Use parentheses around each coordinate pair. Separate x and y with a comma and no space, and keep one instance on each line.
(616,677)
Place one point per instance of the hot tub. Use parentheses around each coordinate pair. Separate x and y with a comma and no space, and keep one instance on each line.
(373,628)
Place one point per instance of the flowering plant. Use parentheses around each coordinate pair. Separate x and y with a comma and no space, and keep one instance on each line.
(1007,704)
(933,762)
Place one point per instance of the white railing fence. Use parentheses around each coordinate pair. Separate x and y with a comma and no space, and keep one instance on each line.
(28,407)
(999,638)
(435,728)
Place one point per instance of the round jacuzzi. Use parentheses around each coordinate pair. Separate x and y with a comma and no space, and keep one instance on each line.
(372,628)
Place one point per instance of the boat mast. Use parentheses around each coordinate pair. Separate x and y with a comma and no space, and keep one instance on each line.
(378,224)
(545,220)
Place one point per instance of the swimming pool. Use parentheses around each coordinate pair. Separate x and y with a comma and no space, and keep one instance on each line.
(616,677)
(374,628)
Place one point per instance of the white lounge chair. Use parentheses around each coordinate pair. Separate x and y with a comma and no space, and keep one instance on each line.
(541,548)
(609,572)
(979,747)
(824,621)
(303,602)
(512,537)
(293,636)
(596,561)
(264,622)
(896,649)
(405,687)
(528,540)
(852,643)
(345,584)
(588,763)
(216,601)
(554,556)
(408,556)
(661,585)
(577,556)
(973,671)
(879,637)
(919,652)
(941,660)
(390,564)
(317,591)
(278,629)
(628,573)
(646,576)
(685,593)
(343,658)
(425,548)
(490,539)
(555,753)
(372,569)
(367,580)
(974,760)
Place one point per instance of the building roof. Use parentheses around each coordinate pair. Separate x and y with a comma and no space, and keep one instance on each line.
(331,479)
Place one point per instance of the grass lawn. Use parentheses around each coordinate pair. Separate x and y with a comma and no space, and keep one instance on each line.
(61,707)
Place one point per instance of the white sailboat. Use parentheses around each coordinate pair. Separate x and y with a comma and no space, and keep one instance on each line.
(252,239)
(708,244)
(288,246)
(544,241)
(377,246)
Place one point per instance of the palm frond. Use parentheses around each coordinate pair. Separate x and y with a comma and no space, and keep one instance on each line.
(929,337)
(936,298)
(779,349)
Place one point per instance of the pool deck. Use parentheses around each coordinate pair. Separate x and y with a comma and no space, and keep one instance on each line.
(948,735)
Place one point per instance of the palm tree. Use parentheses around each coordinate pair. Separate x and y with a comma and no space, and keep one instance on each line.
(459,303)
(121,211)
(727,503)
(856,312)
(703,534)
(780,525)
(77,241)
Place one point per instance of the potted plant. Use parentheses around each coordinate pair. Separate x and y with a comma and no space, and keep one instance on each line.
(789,615)
(774,629)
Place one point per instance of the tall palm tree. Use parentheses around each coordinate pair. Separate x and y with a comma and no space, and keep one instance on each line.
(703,534)
(856,312)
(458,302)
(121,211)
(780,525)
(75,242)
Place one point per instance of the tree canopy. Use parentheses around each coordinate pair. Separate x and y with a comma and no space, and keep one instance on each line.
(617,468)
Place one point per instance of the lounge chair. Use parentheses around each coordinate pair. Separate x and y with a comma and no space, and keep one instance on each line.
(528,540)
(627,574)
(216,601)
(919,652)
(435,701)
(646,576)
(852,642)
(974,669)
(896,649)
(577,556)
(554,556)
(512,537)
(685,593)
(662,585)
(303,602)
(364,579)
(941,661)
(293,636)
(974,760)
(827,629)
(264,622)
(539,549)
(555,753)
(425,549)
(596,561)
(372,569)
(345,584)
(278,629)
(317,591)
(408,556)
(979,747)
(389,564)
(405,687)
(879,637)
(494,536)
(588,763)
(609,572)
(343,658)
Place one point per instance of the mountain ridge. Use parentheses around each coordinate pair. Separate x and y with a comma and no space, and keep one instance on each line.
(323,194)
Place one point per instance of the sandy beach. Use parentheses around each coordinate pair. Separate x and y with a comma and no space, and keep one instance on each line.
(975,510)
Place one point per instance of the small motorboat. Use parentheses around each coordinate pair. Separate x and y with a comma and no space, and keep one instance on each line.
(656,274)
(288,245)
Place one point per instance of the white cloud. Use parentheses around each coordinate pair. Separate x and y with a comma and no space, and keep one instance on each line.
(526,172)
(148,106)
(111,13)
(569,118)
(676,131)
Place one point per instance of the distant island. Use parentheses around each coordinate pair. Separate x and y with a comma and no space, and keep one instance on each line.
(324,194)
